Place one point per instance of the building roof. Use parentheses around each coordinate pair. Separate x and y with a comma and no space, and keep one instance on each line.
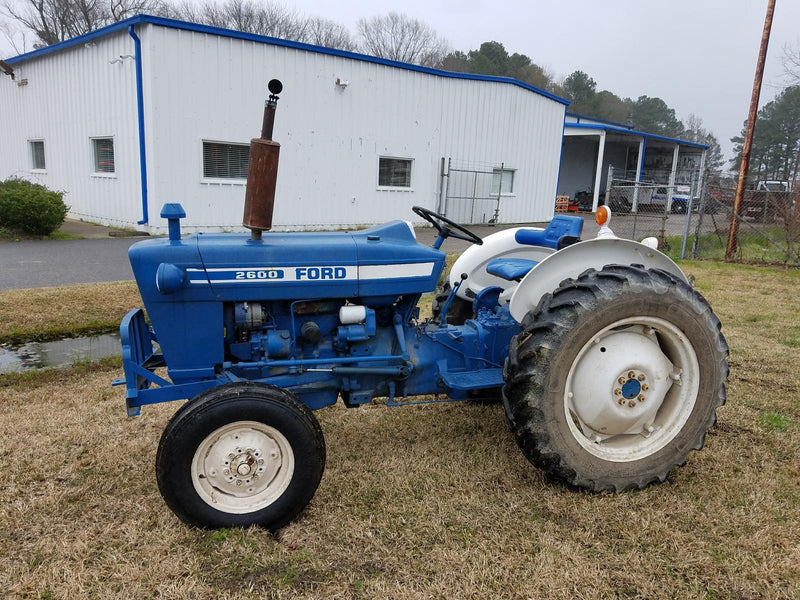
(633,132)
(596,120)
(187,26)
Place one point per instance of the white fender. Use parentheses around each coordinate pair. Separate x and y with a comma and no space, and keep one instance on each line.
(498,245)
(573,260)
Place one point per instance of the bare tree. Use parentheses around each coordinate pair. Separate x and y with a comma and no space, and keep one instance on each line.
(262,18)
(791,62)
(53,21)
(324,32)
(14,37)
(399,37)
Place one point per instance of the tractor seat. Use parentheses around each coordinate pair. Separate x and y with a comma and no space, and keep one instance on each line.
(511,269)
(562,226)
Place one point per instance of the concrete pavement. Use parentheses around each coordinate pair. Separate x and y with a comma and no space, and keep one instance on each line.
(103,258)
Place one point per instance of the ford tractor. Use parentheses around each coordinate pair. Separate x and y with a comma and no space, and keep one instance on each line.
(609,366)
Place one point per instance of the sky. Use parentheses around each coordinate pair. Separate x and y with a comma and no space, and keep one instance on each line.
(699,56)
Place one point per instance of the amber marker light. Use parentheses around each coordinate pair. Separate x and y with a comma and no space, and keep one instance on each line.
(602,215)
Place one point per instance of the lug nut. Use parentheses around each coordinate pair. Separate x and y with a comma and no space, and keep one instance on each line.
(621,401)
(641,377)
(621,380)
(645,387)
(618,392)
(631,374)
(631,403)
(640,398)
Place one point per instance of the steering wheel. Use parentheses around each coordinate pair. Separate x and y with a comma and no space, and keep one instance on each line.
(446,227)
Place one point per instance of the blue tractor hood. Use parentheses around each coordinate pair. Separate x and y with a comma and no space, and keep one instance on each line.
(385,260)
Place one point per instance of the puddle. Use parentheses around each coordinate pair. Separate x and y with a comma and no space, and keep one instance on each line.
(59,354)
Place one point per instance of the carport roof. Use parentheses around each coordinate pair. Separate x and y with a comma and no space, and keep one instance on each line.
(632,133)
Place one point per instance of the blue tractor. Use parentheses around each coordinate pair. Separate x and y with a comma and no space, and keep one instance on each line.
(609,365)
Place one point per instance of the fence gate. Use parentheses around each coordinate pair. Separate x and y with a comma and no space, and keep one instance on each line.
(470,192)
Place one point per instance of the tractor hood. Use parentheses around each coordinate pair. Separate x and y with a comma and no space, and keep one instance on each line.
(385,260)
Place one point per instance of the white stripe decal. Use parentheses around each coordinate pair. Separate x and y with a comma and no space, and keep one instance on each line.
(396,271)
(293,274)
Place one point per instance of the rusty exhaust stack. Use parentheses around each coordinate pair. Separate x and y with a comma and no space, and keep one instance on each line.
(262,172)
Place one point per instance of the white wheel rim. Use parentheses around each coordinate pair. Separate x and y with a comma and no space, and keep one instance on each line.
(631,389)
(242,467)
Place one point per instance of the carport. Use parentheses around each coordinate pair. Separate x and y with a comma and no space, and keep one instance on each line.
(595,152)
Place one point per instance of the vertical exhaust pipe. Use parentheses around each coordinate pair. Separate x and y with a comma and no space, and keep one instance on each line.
(262,171)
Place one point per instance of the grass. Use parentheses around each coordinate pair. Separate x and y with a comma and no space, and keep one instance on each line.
(56,312)
(752,245)
(10,235)
(428,501)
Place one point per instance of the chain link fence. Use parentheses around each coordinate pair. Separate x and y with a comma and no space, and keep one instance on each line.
(471,192)
(697,220)
(767,226)
(642,210)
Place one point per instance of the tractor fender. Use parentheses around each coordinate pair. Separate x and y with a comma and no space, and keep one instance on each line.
(474,259)
(573,260)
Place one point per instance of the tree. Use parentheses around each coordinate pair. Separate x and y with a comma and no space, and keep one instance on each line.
(399,37)
(609,106)
(493,59)
(791,62)
(580,89)
(262,18)
(324,32)
(15,37)
(653,116)
(53,21)
(776,142)
(695,132)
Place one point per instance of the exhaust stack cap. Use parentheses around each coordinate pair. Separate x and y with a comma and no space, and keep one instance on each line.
(173,213)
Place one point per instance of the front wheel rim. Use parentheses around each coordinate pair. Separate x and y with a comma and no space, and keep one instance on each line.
(242,467)
(631,389)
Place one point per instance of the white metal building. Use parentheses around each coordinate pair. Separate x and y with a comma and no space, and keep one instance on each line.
(152,110)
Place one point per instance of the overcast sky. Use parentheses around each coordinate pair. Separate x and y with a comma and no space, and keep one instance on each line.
(698,55)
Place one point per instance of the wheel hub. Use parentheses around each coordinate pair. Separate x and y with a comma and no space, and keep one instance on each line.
(619,382)
(242,466)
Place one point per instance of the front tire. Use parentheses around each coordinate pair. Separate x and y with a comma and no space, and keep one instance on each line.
(615,378)
(239,455)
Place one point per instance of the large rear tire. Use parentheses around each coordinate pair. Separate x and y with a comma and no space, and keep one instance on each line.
(239,455)
(615,378)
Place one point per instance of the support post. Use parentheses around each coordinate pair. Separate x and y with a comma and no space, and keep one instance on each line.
(599,171)
(690,206)
(748,136)
(639,168)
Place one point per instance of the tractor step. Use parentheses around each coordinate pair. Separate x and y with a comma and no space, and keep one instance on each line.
(473,380)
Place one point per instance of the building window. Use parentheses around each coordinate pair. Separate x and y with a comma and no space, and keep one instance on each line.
(103,150)
(37,155)
(222,160)
(504,177)
(394,172)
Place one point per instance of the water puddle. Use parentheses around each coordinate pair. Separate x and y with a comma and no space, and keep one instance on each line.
(59,354)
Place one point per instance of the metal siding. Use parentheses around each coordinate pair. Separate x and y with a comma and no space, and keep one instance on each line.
(201,86)
(71,96)
(210,87)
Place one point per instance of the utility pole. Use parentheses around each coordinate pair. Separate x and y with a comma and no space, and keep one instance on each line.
(748,136)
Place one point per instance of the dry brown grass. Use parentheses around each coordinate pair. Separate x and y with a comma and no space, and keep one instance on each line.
(54,312)
(419,502)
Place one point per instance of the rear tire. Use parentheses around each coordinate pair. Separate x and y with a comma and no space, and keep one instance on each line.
(239,455)
(615,378)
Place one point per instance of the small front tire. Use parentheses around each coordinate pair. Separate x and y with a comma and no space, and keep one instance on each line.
(239,455)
